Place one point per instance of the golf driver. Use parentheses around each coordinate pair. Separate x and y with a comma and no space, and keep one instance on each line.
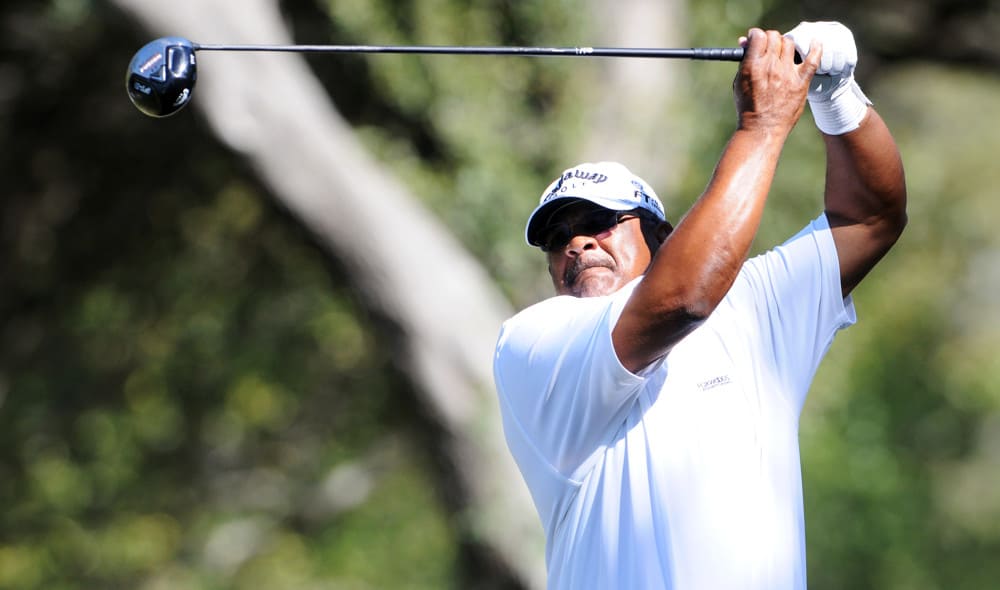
(161,76)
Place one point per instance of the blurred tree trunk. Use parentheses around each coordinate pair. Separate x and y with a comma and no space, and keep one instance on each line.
(631,121)
(445,307)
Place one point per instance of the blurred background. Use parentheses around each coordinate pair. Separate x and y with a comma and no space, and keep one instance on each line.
(249,345)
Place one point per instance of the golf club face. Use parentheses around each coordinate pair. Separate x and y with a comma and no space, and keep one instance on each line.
(161,76)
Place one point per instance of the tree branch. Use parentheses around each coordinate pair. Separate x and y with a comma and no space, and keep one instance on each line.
(272,110)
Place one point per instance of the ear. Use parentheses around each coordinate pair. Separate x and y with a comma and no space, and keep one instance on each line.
(655,236)
(663,230)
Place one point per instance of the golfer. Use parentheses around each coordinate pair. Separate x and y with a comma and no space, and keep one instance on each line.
(653,404)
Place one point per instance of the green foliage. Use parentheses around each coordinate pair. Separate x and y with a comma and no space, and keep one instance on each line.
(900,442)
(192,396)
(500,128)
(183,371)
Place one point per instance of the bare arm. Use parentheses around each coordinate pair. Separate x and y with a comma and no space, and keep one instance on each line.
(697,264)
(865,197)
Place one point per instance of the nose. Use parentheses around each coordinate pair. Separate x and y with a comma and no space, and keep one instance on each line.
(580,244)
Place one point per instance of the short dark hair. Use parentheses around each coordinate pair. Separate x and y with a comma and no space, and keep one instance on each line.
(649,223)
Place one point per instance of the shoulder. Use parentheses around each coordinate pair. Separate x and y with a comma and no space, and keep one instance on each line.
(815,240)
(812,245)
(550,319)
(565,310)
(561,319)
(797,273)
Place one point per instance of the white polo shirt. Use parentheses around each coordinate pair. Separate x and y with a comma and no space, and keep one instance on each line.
(686,476)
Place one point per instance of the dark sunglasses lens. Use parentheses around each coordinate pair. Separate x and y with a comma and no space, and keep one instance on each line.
(592,224)
(597,222)
(559,235)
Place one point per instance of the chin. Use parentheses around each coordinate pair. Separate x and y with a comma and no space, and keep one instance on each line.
(594,286)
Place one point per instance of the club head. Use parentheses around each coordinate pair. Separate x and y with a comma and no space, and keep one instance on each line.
(161,76)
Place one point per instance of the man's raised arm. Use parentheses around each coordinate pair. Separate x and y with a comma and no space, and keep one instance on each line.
(697,264)
(865,197)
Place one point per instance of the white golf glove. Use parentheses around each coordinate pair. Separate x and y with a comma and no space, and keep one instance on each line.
(838,105)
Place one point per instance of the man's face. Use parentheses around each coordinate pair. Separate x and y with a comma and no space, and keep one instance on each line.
(599,258)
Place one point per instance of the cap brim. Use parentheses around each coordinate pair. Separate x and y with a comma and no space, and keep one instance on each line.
(539,218)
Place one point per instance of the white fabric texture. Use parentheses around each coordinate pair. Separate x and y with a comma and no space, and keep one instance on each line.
(843,112)
(685,476)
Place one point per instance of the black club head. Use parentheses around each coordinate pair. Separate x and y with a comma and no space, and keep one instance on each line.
(161,76)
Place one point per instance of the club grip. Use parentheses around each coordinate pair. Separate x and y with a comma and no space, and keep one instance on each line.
(718,53)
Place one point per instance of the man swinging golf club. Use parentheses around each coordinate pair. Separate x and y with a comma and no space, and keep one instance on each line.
(653,404)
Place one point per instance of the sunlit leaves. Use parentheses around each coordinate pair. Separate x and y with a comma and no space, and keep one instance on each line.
(192,397)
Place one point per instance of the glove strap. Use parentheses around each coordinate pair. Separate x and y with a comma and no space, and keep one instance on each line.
(842,112)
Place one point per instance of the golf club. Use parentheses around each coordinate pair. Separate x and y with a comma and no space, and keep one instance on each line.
(161,75)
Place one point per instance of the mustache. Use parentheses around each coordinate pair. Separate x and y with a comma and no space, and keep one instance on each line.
(581,264)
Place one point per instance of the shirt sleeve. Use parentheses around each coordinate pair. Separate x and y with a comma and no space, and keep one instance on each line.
(563,392)
(795,305)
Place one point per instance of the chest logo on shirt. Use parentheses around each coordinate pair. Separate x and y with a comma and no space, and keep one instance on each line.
(714,382)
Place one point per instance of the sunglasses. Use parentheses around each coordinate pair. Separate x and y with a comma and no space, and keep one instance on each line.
(559,234)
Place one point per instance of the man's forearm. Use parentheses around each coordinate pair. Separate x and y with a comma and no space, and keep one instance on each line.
(865,196)
(702,256)
(696,266)
(864,175)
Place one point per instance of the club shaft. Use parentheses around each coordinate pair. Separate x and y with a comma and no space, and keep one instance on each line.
(696,53)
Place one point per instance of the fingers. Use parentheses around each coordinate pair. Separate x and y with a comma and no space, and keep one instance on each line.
(770,87)
(759,42)
(802,35)
(775,44)
(787,49)
(811,61)
(756,43)
(840,54)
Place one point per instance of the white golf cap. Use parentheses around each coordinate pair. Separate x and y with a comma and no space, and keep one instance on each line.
(608,184)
